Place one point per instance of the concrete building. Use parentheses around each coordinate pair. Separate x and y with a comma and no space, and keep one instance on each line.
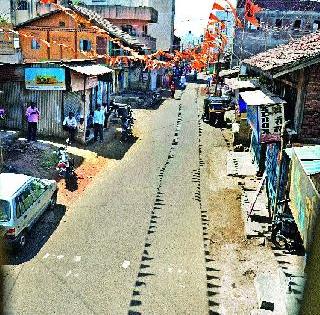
(133,17)
(189,40)
(163,30)
(280,21)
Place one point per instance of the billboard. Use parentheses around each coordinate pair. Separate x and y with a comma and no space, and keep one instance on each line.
(46,79)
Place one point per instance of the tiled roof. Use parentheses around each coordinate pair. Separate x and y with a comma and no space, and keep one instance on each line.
(103,23)
(287,56)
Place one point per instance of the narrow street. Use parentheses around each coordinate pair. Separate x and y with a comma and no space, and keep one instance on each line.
(135,241)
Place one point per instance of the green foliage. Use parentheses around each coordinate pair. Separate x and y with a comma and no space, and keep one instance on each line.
(49,160)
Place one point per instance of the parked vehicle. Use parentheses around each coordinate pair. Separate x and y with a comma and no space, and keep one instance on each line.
(23,199)
(127,133)
(285,234)
(215,108)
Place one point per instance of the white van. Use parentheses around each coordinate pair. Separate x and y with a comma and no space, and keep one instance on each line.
(22,201)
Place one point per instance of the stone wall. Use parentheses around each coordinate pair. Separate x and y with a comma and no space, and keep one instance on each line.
(310,128)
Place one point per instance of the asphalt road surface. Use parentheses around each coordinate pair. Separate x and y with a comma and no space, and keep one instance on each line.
(135,242)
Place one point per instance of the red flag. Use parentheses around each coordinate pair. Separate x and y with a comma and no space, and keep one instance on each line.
(250,10)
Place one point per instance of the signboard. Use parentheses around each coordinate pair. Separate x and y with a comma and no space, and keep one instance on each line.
(266,122)
(271,119)
(46,79)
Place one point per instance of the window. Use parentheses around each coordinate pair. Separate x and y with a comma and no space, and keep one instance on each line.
(297,24)
(82,25)
(128,29)
(37,189)
(22,5)
(62,24)
(85,45)
(24,201)
(279,23)
(145,29)
(35,44)
(5,213)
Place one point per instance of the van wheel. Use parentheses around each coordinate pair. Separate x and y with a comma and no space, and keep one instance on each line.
(21,241)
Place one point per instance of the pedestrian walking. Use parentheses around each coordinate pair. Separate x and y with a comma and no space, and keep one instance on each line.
(172,89)
(70,125)
(98,122)
(33,116)
(209,78)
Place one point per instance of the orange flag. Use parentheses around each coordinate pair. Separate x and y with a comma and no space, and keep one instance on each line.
(250,11)
(212,18)
(234,11)
(217,6)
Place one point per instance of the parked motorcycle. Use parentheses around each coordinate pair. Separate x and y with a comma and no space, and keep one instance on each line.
(155,98)
(285,234)
(127,133)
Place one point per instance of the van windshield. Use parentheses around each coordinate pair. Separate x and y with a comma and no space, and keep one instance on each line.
(5,213)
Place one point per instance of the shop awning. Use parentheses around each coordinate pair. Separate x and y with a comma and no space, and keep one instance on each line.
(90,70)
(259,98)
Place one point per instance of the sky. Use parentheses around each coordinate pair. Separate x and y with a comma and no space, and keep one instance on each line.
(192,16)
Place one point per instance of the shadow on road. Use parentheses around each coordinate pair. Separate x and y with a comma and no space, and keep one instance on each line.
(38,236)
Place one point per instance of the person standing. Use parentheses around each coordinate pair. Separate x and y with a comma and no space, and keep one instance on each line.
(98,122)
(70,125)
(33,116)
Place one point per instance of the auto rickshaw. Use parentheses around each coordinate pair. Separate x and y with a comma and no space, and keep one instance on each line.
(214,108)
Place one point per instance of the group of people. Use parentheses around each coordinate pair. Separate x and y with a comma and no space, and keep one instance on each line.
(70,123)
(97,119)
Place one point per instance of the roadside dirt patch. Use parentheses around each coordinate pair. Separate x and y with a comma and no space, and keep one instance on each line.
(238,259)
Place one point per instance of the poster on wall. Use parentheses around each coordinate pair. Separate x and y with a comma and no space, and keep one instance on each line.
(45,79)
(271,120)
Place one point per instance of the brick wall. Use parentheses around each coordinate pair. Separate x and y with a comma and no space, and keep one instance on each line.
(48,29)
(310,128)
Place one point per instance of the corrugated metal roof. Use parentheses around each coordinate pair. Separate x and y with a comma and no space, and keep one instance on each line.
(92,70)
(309,157)
(236,84)
(258,98)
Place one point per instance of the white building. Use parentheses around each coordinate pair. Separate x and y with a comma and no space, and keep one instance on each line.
(163,31)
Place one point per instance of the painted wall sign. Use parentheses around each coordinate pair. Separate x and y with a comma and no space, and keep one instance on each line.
(266,122)
(45,79)
(304,201)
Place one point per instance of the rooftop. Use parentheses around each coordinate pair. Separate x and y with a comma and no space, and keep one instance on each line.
(285,5)
(10,183)
(259,98)
(295,55)
(309,157)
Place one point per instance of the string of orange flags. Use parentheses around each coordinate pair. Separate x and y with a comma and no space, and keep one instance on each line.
(214,42)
